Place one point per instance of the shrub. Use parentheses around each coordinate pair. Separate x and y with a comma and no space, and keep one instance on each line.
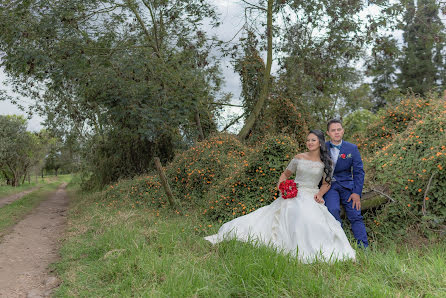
(357,122)
(280,117)
(254,184)
(392,121)
(191,174)
(219,176)
(407,163)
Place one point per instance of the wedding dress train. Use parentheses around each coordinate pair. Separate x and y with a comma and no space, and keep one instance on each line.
(299,226)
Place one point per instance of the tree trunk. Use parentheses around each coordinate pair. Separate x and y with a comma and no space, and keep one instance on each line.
(165,184)
(200,129)
(264,93)
(369,200)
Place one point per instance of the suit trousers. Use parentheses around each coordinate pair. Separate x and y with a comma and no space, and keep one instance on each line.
(339,195)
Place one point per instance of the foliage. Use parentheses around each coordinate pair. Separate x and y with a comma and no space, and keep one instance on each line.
(402,151)
(251,69)
(424,36)
(20,150)
(280,116)
(411,165)
(358,122)
(220,176)
(117,154)
(320,44)
(382,67)
(191,174)
(393,120)
(254,184)
(136,71)
(196,171)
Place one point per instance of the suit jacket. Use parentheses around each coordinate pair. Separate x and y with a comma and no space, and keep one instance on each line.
(349,170)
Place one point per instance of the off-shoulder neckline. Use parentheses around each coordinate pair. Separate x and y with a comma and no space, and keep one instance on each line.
(303,159)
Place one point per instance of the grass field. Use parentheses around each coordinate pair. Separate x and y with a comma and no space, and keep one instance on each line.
(115,250)
(12,213)
(6,190)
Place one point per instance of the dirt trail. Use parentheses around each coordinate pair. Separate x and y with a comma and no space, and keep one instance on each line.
(31,247)
(9,199)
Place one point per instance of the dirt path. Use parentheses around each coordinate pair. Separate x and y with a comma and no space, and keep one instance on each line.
(31,247)
(9,199)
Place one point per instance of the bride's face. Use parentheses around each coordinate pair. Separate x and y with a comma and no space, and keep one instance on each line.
(313,142)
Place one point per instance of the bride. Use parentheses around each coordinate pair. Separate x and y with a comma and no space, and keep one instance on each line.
(301,226)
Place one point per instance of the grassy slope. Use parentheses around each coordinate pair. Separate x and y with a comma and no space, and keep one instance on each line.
(116,250)
(12,213)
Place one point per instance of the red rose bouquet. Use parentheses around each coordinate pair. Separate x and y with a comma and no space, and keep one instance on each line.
(288,188)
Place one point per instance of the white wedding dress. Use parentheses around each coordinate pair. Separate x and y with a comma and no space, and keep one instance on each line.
(299,226)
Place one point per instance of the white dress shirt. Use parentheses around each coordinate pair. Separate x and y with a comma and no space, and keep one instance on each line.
(335,154)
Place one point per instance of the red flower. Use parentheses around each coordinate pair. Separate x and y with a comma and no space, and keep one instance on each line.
(343,156)
(288,189)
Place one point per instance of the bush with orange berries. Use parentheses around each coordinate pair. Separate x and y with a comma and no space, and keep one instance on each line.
(411,164)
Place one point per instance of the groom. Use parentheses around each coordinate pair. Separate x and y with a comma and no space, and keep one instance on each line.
(348,179)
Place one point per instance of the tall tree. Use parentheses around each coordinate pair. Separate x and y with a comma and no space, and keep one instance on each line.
(424,37)
(130,77)
(382,67)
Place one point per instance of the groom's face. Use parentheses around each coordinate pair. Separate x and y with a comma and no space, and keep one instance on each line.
(335,132)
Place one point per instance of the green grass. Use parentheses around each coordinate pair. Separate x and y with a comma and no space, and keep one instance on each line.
(115,250)
(12,213)
(6,190)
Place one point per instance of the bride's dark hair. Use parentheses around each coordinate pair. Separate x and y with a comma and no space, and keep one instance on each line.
(325,156)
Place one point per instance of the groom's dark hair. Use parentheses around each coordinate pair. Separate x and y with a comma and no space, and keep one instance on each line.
(333,121)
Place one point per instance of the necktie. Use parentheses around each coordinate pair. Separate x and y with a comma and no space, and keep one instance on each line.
(335,146)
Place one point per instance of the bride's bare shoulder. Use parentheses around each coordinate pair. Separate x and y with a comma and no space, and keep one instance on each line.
(300,156)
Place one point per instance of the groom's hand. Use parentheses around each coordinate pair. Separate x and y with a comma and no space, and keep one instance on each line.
(356,201)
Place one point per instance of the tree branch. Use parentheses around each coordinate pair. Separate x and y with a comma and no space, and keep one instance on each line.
(383,194)
(226,104)
(233,122)
(255,6)
(143,26)
(425,194)
(155,27)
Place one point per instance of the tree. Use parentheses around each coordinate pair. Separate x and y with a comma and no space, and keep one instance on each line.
(133,79)
(20,150)
(318,45)
(422,61)
(382,67)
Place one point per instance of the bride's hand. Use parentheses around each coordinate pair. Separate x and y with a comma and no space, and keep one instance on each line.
(318,198)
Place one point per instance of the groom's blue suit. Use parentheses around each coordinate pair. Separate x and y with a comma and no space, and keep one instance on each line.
(348,178)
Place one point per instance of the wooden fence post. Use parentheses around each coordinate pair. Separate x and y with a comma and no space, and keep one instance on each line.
(165,185)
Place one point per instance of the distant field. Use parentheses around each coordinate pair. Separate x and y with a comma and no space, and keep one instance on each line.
(6,190)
